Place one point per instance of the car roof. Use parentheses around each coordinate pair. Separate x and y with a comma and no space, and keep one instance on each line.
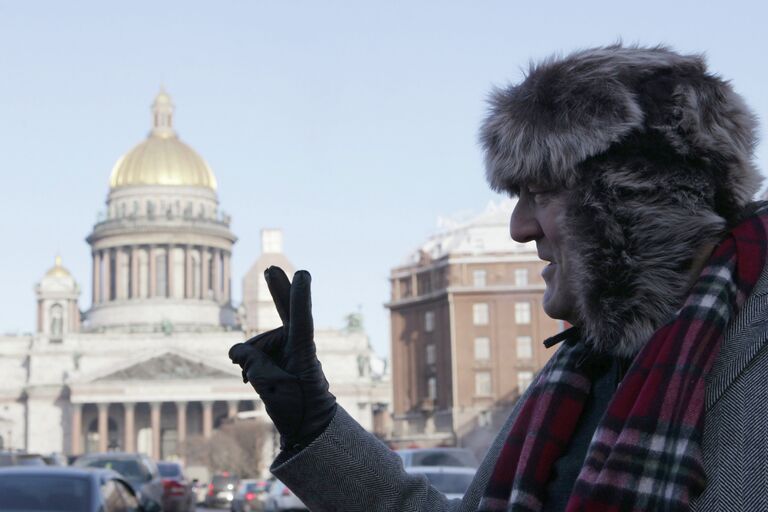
(113,455)
(440,469)
(59,470)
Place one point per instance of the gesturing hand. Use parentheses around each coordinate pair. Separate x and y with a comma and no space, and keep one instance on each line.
(282,365)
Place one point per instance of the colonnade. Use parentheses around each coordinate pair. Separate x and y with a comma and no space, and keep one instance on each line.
(125,413)
(162,270)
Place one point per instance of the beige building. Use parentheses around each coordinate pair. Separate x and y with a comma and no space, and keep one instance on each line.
(467,326)
(146,366)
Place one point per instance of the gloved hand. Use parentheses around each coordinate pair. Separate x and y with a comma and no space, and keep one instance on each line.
(282,367)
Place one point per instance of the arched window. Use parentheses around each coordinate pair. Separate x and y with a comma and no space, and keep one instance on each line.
(57,322)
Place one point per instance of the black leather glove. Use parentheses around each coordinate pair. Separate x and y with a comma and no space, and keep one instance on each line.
(282,366)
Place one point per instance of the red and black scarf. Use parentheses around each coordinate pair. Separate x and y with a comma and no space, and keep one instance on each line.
(646,452)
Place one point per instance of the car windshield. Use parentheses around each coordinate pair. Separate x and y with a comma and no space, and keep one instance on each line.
(169,470)
(44,493)
(224,482)
(130,469)
(450,483)
(444,458)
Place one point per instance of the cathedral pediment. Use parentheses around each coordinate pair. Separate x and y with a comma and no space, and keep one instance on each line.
(168,366)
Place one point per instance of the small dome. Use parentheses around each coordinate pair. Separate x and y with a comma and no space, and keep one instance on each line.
(162,159)
(57,270)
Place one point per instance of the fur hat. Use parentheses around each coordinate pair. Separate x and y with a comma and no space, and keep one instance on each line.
(656,155)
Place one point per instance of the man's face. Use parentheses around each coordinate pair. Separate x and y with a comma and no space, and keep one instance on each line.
(537,217)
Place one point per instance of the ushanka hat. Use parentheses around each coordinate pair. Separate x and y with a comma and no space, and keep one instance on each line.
(656,154)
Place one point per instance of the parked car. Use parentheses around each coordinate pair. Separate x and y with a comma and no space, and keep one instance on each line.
(139,470)
(455,457)
(281,499)
(66,489)
(18,458)
(221,490)
(178,494)
(250,496)
(450,480)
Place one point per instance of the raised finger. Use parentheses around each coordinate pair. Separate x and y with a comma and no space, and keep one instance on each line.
(280,289)
(301,328)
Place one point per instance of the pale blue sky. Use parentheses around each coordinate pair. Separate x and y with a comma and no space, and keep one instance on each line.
(350,125)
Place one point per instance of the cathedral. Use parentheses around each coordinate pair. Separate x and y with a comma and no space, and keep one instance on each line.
(146,367)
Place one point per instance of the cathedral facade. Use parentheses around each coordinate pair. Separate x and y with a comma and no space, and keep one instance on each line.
(145,368)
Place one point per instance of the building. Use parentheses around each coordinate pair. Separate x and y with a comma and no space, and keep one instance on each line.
(145,368)
(466,324)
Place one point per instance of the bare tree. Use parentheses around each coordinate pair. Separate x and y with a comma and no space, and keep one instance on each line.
(236,447)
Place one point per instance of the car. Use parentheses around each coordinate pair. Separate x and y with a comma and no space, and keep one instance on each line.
(139,470)
(66,489)
(178,494)
(452,481)
(19,458)
(250,496)
(221,490)
(455,457)
(281,499)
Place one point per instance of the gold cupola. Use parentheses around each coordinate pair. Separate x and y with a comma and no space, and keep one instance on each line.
(162,159)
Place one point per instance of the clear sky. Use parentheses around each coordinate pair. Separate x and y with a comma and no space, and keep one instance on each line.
(350,125)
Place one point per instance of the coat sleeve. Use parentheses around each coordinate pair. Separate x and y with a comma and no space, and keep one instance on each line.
(349,469)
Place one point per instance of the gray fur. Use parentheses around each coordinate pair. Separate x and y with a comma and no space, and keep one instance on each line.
(657,155)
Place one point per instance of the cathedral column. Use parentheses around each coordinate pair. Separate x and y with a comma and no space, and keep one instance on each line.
(204,256)
(227,277)
(188,272)
(207,419)
(155,419)
(170,286)
(232,408)
(134,272)
(216,275)
(119,284)
(96,277)
(77,429)
(181,426)
(107,285)
(130,426)
(103,426)
(152,272)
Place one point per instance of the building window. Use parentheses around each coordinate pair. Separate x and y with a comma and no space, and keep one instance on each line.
(429,321)
(524,347)
(522,312)
(482,349)
(432,388)
(521,277)
(424,283)
(431,354)
(405,287)
(483,383)
(57,322)
(478,278)
(480,314)
(524,380)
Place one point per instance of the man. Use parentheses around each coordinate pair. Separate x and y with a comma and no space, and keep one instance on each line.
(633,172)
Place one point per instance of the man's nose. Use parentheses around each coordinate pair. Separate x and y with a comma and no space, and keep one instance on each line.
(523,226)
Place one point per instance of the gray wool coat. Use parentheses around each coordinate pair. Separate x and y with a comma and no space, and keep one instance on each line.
(348,469)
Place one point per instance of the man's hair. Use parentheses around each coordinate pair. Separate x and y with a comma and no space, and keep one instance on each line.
(657,156)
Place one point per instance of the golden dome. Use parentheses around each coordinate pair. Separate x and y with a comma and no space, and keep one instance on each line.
(162,159)
(57,270)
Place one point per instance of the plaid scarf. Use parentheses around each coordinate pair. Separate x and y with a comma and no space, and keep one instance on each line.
(646,452)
